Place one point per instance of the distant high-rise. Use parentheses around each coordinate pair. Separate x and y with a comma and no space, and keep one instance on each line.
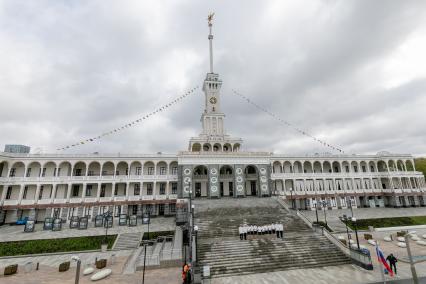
(21,149)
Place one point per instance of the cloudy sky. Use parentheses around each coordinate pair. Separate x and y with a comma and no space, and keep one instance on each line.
(350,72)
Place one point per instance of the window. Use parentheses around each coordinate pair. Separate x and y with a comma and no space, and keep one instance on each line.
(372,169)
(43,173)
(162,170)
(29,172)
(54,172)
(364,169)
(174,170)
(116,189)
(162,188)
(75,190)
(91,173)
(355,169)
(103,188)
(40,193)
(172,208)
(89,190)
(150,170)
(78,172)
(174,188)
(137,190)
(347,169)
(138,171)
(87,211)
(149,189)
(12,172)
(9,192)
(117,211)
(127,171)
(25,192)
(104,173)
(59,172)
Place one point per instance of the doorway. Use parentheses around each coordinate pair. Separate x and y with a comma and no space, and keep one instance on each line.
(198,189)
(253,187)
(231,189)
(221,189)
(161,209)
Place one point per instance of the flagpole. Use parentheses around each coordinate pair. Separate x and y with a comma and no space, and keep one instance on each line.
(381,264)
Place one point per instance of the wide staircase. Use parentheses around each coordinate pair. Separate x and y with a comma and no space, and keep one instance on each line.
(128,241)
(219,245)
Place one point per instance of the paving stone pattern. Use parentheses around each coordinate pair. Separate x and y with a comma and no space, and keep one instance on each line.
(220,247)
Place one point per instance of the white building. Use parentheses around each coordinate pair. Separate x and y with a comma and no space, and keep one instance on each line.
(47,185)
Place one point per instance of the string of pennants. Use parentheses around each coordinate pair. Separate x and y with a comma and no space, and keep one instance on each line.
(130,124)
(322,142)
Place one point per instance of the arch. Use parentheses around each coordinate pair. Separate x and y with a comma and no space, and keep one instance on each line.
(346,167)
(217,147)
(250,170)
(207,147)
(200,170)
(135,168)
(148,168)
(173,168)
(33,169)
(226,170)
(409,165)
(94,169)
(363,167)
(317,167)
(17,169)
(307,167)
(64,169)
(227,147)
(196,147)
(161,168)
(326,167)
(382,166)
(236,147)
(287,167)
(297,167)
(372,166)
(122,169)
(392,165)
(108,169)
(79,169)
(49,169)
(354,166)
(336,167)
(400,165)
(276,167)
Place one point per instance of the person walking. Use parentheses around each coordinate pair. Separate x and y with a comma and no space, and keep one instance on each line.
(245,229)
(240,230)
(277,229)
(392,262)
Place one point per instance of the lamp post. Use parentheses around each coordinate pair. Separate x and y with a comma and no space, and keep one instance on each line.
(316,210)
(77,271)
(324,204)
(350,205)
(291,197)
(196,242)
(345,220)
(145,244)
(356,232)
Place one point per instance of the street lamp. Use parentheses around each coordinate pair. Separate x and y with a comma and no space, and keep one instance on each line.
(345,219)
(356,231)
(77,271)
(324,204)
(350,205)
(291,197)
(316,209)
(196,242)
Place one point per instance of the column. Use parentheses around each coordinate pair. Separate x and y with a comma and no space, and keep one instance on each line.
(37,193)
(83,195)
(127,189)
(68,191)
(21,193)
(54,190)
(98,193)
(154,187)
(113,189)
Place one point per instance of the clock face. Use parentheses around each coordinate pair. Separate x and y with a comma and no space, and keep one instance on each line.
(213,100)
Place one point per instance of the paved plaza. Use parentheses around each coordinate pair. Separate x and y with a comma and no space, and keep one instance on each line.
(16,233)
(362,213)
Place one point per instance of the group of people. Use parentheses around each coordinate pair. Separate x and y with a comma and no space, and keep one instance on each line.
(276,228)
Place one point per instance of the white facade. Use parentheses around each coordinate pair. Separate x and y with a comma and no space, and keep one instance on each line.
(47,185)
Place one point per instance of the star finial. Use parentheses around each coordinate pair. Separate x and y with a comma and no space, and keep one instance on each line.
(210,18)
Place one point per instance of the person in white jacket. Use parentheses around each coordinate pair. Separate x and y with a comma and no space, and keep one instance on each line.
(240,231)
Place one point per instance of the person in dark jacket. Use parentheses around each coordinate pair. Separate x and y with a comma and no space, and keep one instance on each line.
(392,262)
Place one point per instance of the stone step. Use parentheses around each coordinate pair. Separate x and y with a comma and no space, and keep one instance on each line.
(128,241)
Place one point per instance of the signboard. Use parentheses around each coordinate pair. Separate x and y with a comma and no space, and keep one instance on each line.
(74,222)
(145,218)
(133,221)
(122,221)
(48,224)
(57,224)
(82,225)
(29,226)
(99,220)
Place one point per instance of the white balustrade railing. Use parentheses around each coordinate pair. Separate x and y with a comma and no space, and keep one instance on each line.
(76,200)
(27,201)
(59,200)
(105,199)
(10,202)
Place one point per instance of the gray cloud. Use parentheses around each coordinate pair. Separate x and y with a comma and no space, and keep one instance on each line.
(74,70)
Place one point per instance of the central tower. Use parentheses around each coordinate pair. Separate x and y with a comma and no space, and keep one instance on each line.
(213,137)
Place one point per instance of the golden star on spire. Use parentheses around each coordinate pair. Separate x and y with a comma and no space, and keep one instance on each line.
(210,18)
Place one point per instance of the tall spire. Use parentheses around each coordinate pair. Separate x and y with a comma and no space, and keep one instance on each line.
(210,19)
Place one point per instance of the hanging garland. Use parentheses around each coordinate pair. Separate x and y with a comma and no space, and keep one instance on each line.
(322,142)
(130,124)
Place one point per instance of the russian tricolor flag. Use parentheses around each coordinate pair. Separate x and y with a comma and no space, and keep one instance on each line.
(381,258)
